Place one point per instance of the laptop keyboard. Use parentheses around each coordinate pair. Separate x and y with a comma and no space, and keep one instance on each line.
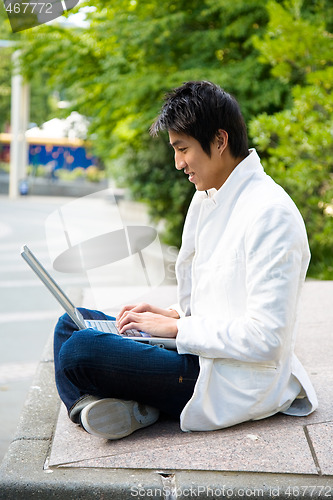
(110,327)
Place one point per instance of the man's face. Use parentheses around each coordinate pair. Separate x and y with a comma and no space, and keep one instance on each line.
(204,171)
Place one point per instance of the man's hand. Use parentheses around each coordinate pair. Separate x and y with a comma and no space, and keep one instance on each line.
(144,307)
(156,321)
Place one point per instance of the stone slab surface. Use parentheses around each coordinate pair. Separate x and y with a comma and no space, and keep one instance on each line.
(321,436)
(263,446)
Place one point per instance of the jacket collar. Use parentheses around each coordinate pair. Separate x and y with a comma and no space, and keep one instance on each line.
(236,180)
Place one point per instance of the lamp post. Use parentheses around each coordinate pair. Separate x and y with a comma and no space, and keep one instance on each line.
(19,123)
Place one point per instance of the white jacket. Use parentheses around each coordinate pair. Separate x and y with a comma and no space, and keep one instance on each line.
(240,271)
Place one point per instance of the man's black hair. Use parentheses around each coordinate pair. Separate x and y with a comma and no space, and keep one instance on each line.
(200,109)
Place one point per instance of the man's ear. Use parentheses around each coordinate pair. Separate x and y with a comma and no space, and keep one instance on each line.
(221,140)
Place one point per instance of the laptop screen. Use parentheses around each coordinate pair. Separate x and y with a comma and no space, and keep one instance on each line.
(54,288)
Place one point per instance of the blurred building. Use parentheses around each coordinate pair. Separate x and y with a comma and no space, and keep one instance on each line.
(57,144)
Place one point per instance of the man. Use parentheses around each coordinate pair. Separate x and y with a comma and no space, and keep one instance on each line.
(240,271)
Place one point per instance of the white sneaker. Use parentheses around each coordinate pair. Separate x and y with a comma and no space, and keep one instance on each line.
(116,418)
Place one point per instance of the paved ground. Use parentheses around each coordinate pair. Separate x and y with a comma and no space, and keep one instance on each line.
(27,311)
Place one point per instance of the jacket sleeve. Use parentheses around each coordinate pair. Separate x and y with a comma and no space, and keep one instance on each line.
(276,258)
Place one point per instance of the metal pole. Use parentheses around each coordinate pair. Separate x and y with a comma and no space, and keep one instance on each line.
(19,124)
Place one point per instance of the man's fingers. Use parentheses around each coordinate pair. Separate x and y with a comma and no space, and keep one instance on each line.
(130,320)
(123,310)
(127,317)
(129,326)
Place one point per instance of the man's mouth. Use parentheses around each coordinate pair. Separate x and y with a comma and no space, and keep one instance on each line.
(190,176)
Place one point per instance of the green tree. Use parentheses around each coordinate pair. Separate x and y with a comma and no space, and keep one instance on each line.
(5,68)
(41,104)
(116,70)
(4,87)
(297,142)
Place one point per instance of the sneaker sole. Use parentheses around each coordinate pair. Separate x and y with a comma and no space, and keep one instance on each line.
(115,418)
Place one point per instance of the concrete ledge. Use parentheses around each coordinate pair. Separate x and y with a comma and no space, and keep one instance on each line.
(25,474)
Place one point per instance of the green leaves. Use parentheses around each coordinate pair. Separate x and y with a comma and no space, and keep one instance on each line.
(275,57)
(298,142)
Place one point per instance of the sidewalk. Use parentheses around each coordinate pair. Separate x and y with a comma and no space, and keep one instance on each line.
(281,457)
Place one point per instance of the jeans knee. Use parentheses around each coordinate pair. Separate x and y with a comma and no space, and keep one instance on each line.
(76,351)
(64,323)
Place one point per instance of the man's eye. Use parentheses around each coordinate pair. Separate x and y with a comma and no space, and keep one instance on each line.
(182,150)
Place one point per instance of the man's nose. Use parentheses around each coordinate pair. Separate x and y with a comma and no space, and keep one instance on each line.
(180,163)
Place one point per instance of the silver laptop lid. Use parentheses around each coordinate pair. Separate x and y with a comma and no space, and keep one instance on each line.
(54,288)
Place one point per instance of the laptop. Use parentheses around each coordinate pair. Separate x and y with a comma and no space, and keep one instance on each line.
(76,316)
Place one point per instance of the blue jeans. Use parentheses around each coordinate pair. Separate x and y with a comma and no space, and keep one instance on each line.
(89,362)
